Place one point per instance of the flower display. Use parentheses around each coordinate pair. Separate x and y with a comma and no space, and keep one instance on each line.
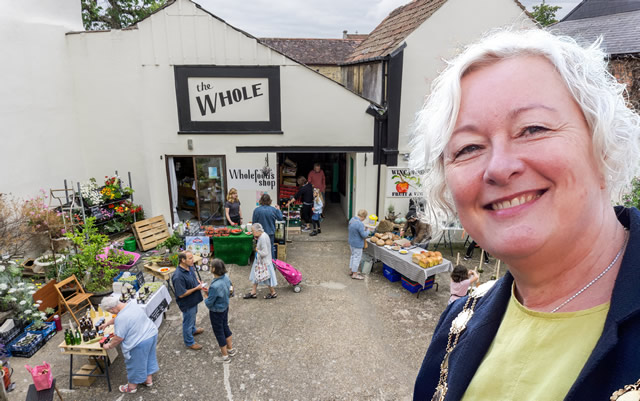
(41,219)
(89,192)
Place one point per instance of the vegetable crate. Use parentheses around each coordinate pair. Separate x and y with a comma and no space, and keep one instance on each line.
(390,273)
(26,350)
(46,333)
(133,280)
(414,287)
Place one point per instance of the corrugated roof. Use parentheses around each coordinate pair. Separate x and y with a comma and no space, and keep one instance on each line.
(394,29)
(599,8)
(620,32)
(313,51)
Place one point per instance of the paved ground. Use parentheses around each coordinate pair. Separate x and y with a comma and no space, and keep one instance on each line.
(338,339)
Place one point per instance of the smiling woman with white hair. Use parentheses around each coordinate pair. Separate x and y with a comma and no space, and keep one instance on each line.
(138,336)
(527,137)
(262,271)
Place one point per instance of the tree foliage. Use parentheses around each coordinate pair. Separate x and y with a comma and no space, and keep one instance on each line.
(116,14)
(545,14)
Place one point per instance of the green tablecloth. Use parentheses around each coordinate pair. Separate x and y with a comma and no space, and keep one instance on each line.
(234,249)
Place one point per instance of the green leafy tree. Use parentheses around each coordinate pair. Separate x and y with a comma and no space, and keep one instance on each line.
(116,14)
(545,14)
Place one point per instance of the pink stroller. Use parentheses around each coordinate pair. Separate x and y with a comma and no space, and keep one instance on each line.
(289,273)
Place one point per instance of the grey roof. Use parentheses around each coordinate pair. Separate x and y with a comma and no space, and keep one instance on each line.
(621,32)
(599,8)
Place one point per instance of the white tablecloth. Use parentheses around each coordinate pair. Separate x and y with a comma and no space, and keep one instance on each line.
(404,265)
(156,305)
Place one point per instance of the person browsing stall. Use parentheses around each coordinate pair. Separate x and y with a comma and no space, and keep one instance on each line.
(218,303)
(232,208)
(419,230)
(138,336)
(357,235)
(267,215)
(527,138)
(187,288)
(263,260)
(305,195)
(317,179)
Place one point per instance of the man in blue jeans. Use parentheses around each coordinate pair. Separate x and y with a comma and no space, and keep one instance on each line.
(187,288)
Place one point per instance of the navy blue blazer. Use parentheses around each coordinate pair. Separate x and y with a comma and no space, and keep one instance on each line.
(614,362)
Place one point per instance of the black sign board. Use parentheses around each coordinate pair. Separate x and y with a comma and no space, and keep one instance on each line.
(164,305)
(140,278)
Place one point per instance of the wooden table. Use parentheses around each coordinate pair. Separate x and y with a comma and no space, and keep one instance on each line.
(93,351)
(154,270)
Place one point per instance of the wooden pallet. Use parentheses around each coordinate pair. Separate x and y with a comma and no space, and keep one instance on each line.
(151,232)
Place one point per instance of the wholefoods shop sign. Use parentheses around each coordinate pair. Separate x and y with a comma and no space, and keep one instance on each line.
(403,183)
(228,100)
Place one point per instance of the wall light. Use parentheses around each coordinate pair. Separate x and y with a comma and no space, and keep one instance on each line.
(405,156)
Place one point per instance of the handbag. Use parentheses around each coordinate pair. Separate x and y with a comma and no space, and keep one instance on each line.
(42,376)
(261,272)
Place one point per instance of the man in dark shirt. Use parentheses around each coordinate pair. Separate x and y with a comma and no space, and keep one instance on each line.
(187,289)
(305,194)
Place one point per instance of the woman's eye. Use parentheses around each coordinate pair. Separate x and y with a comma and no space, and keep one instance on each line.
(534,129)
(466,151)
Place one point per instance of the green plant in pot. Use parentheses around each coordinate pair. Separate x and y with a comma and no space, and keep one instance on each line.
(95,273)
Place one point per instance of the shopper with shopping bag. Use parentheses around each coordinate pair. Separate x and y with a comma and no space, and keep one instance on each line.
(262,272)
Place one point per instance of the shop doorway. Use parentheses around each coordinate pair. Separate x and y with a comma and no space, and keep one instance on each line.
(197,188)
(334,165)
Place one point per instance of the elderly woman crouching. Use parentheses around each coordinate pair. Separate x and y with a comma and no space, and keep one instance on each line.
(527,137)
(263,260)
(138,336)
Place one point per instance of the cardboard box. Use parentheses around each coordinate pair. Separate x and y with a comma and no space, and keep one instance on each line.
(282,252)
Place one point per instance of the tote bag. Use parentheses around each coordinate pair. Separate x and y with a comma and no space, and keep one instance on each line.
(262,271)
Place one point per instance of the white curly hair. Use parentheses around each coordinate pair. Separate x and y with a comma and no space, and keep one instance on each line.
(615,128)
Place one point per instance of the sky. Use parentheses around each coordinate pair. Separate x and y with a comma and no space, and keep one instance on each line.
(318,19)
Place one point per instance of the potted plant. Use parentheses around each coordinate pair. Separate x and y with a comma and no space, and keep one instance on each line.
(95,273)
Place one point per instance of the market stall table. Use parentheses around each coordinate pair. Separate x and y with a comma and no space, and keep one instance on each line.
(164,273)
(404,265)
(234,249)
(156,305)
(93,350)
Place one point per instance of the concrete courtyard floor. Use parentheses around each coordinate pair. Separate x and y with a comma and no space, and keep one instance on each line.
(338,339)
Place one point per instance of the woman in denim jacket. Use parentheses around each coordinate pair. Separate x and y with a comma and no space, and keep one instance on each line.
(218,303)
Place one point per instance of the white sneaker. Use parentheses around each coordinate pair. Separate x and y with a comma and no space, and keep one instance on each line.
(232,352)
(222,359)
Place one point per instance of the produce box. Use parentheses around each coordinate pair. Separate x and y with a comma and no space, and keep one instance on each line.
(25,345)
(46,333)
(390,273)
(132,279)
(413,287)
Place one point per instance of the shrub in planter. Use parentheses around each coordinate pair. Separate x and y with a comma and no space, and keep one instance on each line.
(95,273)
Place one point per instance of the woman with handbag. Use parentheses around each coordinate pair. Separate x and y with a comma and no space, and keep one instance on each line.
(262,271)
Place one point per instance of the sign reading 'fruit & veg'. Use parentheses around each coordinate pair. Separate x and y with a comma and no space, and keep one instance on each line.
(403,183)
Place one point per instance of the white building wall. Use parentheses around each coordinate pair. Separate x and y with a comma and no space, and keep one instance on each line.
(126,103)
(39,142)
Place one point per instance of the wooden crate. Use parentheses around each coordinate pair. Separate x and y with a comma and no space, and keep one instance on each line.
(293,230)
(151,232)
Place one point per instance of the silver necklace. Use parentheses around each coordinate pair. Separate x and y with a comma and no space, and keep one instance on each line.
(613,262)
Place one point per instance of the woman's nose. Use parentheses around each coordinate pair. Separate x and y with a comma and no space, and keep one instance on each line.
(503,165)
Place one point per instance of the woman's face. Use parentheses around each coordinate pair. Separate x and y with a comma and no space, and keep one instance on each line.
(520,164)
(256,233)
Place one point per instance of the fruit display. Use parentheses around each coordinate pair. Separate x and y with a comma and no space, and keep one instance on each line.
(236,231)
(427,259)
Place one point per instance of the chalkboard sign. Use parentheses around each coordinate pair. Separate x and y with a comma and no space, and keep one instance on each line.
(140,278)
(164,305)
